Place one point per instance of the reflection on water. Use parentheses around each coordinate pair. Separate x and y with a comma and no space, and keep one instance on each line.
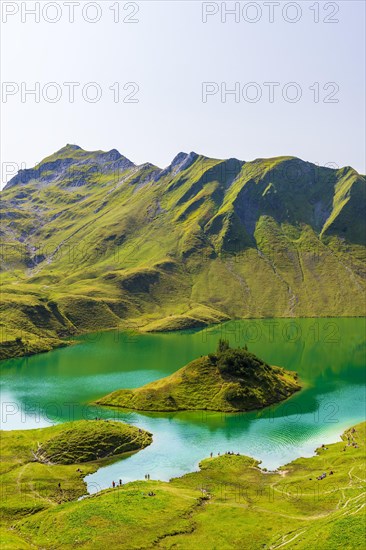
(328,354)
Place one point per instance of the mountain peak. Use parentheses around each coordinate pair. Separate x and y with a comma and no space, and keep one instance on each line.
(180,162)
(70,147)
(112,155)
(183,158)
(73,165)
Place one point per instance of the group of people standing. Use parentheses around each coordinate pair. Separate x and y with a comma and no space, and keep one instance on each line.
(114,484)
(119,483)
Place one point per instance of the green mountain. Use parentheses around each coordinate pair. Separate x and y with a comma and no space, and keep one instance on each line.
(229,381)
(92,241)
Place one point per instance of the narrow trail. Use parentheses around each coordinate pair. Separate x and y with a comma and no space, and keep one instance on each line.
(20,474)
(29,485)
(284,542)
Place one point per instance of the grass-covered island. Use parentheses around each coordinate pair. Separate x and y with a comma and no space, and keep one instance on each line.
(232,379)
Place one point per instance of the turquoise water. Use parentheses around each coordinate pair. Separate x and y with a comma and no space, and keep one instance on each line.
(328,354)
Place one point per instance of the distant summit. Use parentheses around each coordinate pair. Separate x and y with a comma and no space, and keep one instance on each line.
(181,162)
(70,147)
(73,166)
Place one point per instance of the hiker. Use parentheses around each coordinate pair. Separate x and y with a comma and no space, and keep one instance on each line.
(113,484)
(120,482)
(211,455)
(59,485)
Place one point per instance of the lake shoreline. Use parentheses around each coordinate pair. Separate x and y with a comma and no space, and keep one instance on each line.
(281,470)
(139,329)
(231,487)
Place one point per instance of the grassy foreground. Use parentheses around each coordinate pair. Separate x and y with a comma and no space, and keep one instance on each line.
(230,380)
(229,504)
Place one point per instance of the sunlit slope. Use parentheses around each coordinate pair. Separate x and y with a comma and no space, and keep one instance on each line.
(90,240)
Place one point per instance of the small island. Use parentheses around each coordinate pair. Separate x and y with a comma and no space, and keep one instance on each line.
(231,380)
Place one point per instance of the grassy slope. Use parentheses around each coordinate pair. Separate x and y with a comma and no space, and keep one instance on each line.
(85,441)
(90,247)
(229,504)
(33,462)
(201,385)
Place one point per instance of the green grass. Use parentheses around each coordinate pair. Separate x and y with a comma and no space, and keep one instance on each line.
(230,503)
(231,380)
(34,462)
(197,317)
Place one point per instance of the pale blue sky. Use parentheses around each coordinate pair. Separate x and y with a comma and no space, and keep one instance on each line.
(169,53)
